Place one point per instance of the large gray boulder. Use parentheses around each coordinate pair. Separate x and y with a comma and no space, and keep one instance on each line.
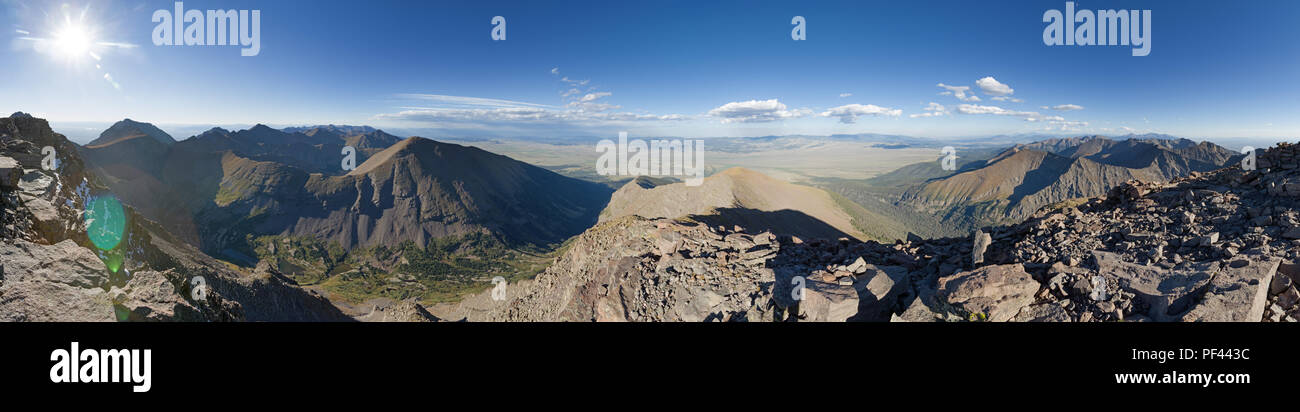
(1238,293)
(152,297)
(982,242)
(998,292)
(879,288)
(828,302)
(10,173)
(1167,293)
(63,282)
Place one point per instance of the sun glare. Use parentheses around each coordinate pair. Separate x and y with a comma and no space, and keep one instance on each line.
(73,41)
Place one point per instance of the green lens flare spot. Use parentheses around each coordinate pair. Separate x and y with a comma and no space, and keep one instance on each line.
(105,222)
(113,261)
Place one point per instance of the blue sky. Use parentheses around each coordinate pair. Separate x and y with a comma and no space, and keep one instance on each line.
(690,68)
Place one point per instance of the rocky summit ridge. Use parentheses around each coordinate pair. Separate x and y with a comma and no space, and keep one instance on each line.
(1216,246)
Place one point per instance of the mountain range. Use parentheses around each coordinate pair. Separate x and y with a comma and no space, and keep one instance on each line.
(1012,184)
(421,224)
(216,188)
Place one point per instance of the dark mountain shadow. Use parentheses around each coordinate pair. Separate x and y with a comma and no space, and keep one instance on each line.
(784,222)
(1046,174)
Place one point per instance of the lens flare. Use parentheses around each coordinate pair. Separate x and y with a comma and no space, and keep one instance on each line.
(105,222)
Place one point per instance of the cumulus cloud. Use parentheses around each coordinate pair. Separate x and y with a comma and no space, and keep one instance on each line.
(1007,99)
(1064,107)
(845,94)
(959,92)
(755,111)
(555,70)
(993,87)
(849,113)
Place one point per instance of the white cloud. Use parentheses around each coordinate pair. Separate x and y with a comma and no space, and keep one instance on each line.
(849,113)
(1066,126)
(566,79)
(959,92)
(1064,107)
(594,107)
(593,96)
(995,110)
(845,94)
(755,111)
(993,87)
(555,70)
(1007,99)
(931,110)
(998,111)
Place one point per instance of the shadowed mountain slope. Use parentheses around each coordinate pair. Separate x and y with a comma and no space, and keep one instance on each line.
(1015,183)
(127,129)
(739,191)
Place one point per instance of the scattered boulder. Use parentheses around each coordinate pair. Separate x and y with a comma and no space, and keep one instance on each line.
(982,242)
(999,292)
(1043,312)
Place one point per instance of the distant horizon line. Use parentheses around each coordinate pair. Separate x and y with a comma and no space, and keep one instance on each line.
(449,133)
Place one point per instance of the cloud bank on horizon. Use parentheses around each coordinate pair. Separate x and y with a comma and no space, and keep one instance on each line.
(940,69)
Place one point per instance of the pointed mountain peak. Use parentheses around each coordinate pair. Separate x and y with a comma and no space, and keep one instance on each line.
(128,129)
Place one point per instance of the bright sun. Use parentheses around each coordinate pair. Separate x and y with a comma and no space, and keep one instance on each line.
(73,41)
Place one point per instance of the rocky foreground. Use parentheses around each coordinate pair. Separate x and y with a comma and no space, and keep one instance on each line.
(1219,246)
(51,271)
